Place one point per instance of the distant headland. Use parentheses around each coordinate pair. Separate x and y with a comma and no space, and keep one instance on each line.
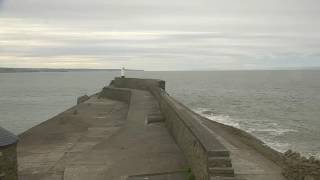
(22,70)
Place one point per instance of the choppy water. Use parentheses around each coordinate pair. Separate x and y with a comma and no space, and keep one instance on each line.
(280,107)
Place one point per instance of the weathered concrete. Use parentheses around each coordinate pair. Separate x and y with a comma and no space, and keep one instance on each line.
(124,134)
(8,155)
(8,162)
(247,161)
(162,176)
(116,94)
(106,139)
(140,148)
(209,146)
(155,118)
(46,150)
(135,83)
(199,146)
(82,99)
(196,142)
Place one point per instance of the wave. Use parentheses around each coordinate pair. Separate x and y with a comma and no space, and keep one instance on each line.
(224,119)
(268,131)
(274,131)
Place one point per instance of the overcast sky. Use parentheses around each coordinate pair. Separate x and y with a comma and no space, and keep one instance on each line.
(160,35)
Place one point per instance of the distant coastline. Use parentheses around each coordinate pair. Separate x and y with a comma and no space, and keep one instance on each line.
(23,70)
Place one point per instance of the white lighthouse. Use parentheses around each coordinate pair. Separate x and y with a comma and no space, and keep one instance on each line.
(122,72)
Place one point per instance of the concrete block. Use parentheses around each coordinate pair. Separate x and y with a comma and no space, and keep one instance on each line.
(219,153)
(219,162)
(224,172)
(82,99)
(154,118)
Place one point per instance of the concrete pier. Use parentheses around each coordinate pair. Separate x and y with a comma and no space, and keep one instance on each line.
(106,139)
(134,130)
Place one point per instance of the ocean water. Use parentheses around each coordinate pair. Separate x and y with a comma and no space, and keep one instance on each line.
(27,99)
(282,108)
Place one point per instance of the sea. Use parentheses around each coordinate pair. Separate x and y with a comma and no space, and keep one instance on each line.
(280,107)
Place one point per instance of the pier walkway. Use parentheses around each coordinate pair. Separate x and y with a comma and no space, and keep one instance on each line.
(247,162)
(104,139)
(99,139)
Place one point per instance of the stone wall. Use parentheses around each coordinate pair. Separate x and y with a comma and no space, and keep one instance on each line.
(8,162)
(297,167)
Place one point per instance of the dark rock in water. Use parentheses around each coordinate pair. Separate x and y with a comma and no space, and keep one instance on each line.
(299,167)
(82,99)
(288,152)
(75,112)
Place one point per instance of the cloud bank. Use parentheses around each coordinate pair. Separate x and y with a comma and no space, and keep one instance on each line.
(160,35)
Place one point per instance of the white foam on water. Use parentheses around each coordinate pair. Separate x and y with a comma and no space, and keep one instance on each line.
(265,130)
(224,119)
(279,146)
(276,131)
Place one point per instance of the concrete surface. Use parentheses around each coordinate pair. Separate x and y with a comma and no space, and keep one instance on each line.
(8,162)
(109,139)
(97,140)
(247,162)
(162,176)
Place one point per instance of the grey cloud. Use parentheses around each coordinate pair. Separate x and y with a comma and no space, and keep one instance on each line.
(135,9)
(217,33)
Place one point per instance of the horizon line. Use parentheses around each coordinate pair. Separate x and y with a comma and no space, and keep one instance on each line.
(132,69)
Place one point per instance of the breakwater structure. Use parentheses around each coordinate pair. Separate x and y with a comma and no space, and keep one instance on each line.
(8,155)
(134,130)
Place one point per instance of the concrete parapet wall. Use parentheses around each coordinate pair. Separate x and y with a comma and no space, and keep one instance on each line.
(134,83)
(8,162)
(193,149)
(198,144)
(297,167)
(82,99)
(118,94)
